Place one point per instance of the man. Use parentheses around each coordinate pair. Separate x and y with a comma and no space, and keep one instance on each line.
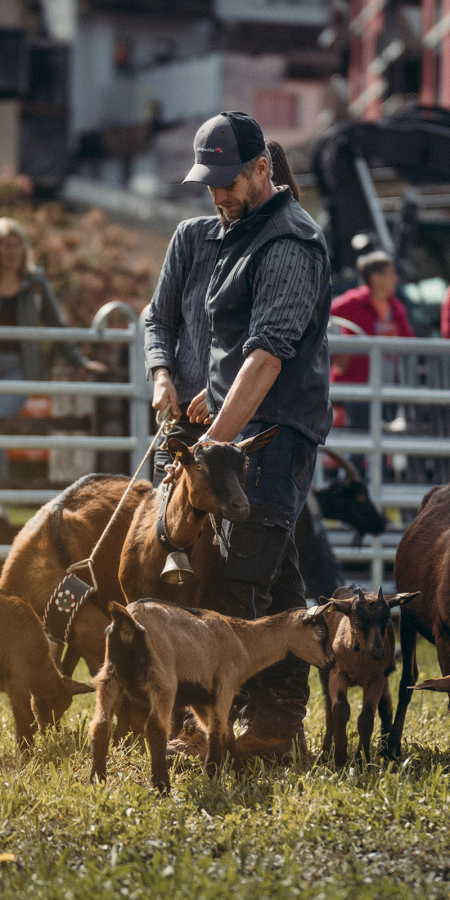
(263,270)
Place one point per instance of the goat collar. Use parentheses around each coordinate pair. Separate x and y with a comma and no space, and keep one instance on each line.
(161,530)
(65,602)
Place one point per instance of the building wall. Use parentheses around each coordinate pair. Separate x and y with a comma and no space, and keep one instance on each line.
(288,110)
(294,12)
(170,68)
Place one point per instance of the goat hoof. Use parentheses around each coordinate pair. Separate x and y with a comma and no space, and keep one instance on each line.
(96,776)
(163,787)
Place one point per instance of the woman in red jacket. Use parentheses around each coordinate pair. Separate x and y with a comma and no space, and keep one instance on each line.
(445,315)
(374,307)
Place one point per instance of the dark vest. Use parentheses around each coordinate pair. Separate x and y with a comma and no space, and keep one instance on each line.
(299,396)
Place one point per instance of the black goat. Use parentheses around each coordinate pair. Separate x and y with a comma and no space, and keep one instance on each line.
(349,500)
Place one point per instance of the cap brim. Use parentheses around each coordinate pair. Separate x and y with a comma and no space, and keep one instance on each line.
(214,176)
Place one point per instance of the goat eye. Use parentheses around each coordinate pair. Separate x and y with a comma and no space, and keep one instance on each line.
(319,632)
(199,466)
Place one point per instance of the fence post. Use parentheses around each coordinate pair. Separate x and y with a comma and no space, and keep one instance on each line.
(144,394)
(376,464)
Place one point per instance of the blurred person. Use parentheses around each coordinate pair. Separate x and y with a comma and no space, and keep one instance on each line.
(262,266)
(445,315)
(26,297)
(375,308)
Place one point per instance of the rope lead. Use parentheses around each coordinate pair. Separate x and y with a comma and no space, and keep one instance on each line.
(89,562)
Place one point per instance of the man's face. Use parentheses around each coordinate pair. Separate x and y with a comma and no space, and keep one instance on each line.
(239,198)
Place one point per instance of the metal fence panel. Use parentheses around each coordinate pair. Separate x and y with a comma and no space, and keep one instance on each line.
(423,393)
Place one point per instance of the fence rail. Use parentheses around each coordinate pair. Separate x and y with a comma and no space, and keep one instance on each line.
(424,387)
(424,395)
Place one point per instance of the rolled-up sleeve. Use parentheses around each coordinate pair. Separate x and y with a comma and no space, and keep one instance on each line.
(286,286)
(164,318)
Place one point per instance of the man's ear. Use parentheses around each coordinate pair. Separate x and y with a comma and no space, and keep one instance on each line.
(180,451)
(252,445)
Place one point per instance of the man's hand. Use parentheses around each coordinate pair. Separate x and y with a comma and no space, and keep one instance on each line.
(198,410)
(164,392)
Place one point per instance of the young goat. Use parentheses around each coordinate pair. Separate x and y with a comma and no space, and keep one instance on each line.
(363,640)
(163,656)
(28,675)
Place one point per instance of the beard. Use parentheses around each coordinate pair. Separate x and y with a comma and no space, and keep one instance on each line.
(242,209)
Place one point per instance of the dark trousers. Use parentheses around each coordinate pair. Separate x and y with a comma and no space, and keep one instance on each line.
(261,572)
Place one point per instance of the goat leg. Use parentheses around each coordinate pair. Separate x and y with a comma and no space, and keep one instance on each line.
(70,661)
(365,729)
(408,636)
(341,715)
(385,714)
(443,650)
(123,725)
(100,730)
(329,724)
(214,756)
(26,724)
(156,734)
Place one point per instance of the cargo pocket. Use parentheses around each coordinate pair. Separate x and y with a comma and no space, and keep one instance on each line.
(255,552)
(303,464)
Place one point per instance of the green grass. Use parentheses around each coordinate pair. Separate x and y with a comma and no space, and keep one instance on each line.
(279,832)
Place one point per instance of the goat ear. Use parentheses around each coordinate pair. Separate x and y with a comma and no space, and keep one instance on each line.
(400,599)
(124,621)
(78,687)
(252,445)
(312,615)
(341,593)
(337,604)
(179,451)
(433,684)
(314,612)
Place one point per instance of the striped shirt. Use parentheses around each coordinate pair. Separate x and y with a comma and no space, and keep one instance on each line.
(285,279)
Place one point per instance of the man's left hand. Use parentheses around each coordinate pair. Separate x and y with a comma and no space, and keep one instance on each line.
(198,409)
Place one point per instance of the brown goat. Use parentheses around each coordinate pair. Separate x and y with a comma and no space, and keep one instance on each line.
(162,656)
(35,687)
(129,562)
(422,564)
(363,640)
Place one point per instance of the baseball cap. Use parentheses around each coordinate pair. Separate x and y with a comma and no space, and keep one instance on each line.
(222,146)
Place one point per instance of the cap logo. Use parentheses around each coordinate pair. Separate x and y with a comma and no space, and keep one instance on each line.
(209,150)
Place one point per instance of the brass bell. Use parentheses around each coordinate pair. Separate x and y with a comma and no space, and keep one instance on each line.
(177,569)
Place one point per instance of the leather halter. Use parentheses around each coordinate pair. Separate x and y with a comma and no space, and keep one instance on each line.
(161,529)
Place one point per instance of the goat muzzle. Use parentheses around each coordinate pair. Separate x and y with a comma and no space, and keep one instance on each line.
(177,569)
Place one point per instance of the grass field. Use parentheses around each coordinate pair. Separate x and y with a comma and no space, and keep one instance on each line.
(280,832)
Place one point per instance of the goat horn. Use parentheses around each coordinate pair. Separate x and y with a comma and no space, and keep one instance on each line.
(350,470)
(361,596)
